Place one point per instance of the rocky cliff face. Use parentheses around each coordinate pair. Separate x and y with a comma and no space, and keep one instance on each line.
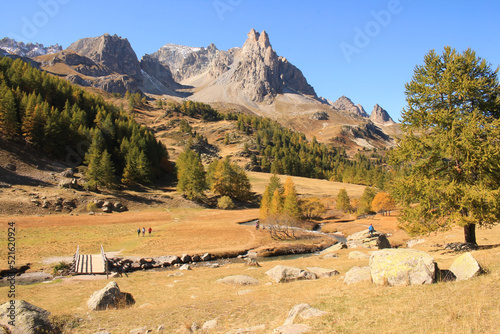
(262,74)
(381,116)
(112,52)
(345,105)
(185,62)
(27,50)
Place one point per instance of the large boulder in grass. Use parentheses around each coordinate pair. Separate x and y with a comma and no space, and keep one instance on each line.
(465,267)
(109,297)
(402,267)
(364,239)
(21,317)
(281,274)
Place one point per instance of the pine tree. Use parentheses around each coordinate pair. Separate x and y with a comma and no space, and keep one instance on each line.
(9,123)
(265,204)
(450,145)
(343,201)
(365,202)
(290,205)
(276,206)
(191,175)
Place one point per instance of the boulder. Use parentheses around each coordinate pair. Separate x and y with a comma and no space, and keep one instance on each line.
(109,297)
(364,239)
(465,267)
(206,257)
(413,242)
(107,209)
(185,258)
(69,184)
(358,255)
(281,274)
(338,246)
(209,325)
(196,258)
(239,280)
(292,329)
(169,260)
(185,267)
(322,272)
(305,311)
(28,318)
(358,274)
(402,267)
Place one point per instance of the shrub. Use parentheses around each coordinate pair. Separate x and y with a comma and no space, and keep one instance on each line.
(225,203)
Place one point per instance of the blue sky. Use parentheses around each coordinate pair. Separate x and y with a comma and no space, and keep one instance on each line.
(366,50)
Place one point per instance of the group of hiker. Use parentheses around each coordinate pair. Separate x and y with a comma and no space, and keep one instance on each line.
(144,231)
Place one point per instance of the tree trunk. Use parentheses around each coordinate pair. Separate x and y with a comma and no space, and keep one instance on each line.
(470,233)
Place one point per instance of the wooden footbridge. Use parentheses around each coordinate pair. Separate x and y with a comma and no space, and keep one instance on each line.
(90,264)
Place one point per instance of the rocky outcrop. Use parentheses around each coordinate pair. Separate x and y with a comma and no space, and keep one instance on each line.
(345,105)
(158,78)
(261,74)
(465,267)
(109,297)
(402,267)
(281,274)
(364,239)
(381,116)
(26,318)
(185,62)
(113,52)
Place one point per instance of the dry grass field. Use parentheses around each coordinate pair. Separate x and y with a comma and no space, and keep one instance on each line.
(177,302)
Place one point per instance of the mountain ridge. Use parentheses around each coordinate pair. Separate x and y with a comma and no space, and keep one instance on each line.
(253,76)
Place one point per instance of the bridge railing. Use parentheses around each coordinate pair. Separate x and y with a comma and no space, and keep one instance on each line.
(75,259)
(104,261)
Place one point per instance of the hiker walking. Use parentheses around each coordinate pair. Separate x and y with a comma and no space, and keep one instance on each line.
(143,231)
(139,232)
(371,230)
(257,225)
(150,230)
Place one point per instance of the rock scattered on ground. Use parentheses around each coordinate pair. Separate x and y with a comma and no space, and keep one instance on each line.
(358,274)
(465,267)
(402,267)
(109,297)
(365,239)
(281,274)
(322,272)
(28,318)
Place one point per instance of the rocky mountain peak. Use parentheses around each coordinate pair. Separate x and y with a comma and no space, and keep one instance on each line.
(345,104)
(27,50)
(114,52)
(380,116)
